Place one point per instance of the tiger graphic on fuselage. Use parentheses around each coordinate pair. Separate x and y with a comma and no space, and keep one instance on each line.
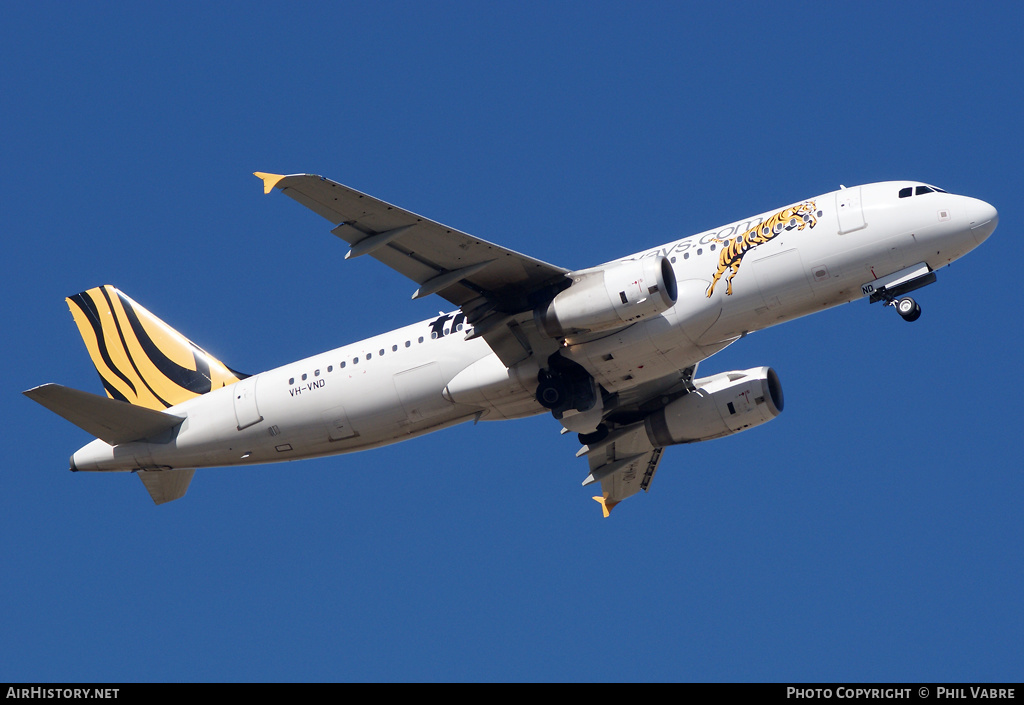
(795,217)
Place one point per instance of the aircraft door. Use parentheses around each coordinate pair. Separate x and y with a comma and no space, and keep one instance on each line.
(246,411)
(850,210)
(338,426)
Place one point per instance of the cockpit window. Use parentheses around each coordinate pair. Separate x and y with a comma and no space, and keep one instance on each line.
(910,191)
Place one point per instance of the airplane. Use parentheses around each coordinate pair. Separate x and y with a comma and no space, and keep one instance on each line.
(611,351)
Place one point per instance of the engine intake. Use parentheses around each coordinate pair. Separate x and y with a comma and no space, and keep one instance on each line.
(608,297)
(720,405)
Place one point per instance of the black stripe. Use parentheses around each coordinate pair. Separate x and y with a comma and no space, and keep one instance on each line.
(88,308)
(113,392)
(124,344)
(197,380)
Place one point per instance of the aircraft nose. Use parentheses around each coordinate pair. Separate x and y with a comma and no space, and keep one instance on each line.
(984,218)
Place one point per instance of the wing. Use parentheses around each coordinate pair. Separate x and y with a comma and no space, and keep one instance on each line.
(495,287)
(497,290)
(624,463)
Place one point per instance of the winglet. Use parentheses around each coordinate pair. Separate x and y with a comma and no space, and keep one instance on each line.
(606,506)
(269,180)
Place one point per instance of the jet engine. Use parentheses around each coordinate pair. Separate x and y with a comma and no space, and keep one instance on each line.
(610,296)
(720,405)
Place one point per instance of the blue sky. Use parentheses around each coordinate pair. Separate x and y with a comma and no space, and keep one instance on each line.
(870,533)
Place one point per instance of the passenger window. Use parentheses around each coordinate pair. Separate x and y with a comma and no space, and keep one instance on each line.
(291,380)
(394,348)
(369,355)
(712,248)
(355,360)
(342,365)
(316,373)
(381,353)
(922,189)
(686,255)
(330,368)
(303,377)
(408,343)
(421,338)
(906,192)
(700,251)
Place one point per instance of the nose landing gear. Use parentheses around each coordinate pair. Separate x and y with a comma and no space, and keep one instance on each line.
(908,309)
(891,289)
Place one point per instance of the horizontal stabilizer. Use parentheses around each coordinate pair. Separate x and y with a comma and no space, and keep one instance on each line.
(166,485)
(112,421)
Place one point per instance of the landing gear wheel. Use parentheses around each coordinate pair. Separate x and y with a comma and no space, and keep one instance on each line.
(908,309)
(551,393)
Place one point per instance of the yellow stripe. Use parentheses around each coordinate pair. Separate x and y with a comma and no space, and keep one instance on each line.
(164,388)
(165,338)
(126,348)
(92,345)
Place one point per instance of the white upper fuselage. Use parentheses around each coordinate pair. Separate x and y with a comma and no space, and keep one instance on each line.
(426,376)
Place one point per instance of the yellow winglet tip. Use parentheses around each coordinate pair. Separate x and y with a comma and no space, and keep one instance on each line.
(606,506)
(269,180)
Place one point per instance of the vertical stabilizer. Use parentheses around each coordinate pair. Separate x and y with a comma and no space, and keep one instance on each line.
(141,359)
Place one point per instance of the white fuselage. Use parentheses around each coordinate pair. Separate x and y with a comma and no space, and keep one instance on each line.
(428,376)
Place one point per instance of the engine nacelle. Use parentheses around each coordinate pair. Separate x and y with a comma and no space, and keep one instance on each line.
(610,297)
(720,405)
